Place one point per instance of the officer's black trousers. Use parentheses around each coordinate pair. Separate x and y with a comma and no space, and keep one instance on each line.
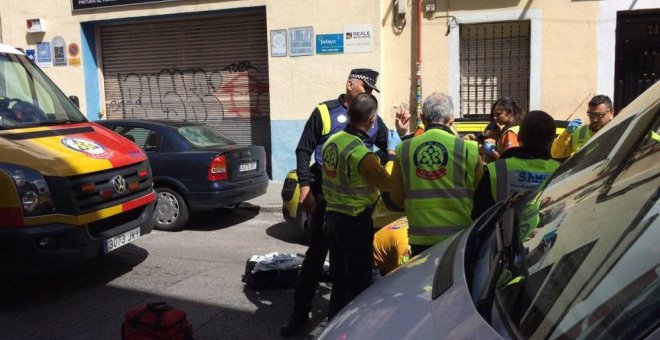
(312,266)
(351,257)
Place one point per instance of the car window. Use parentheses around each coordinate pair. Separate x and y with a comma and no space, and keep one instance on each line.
(591,153)
(147,139)
(589,266)
(203,136)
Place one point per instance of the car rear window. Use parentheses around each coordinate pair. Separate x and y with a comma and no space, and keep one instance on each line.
(203,136)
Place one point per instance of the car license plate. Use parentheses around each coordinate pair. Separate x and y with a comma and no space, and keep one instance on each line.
(121,240)
(247,166)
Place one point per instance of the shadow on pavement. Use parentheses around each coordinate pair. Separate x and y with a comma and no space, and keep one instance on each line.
(287,232)
(39,288)
(277,304)
(219,218)
(89,302)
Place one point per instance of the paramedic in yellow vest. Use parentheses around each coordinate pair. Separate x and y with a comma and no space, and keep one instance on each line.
(352,178)
(520,168)
(327,118)
(434,177)
(576,135)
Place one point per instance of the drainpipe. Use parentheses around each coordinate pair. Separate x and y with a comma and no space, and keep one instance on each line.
(419,63)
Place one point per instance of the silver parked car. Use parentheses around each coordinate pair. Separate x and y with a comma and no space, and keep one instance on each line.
(577,259)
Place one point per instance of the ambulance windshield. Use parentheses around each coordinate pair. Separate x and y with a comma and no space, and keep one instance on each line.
(28,98)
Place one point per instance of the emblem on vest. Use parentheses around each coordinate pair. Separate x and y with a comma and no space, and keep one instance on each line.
(330,160)
(341,119)
(430,160)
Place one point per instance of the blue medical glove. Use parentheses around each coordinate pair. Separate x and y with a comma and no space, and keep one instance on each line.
(393,140)
(489,147)
(573,125)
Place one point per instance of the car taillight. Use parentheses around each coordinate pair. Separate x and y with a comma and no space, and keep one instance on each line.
(218,169)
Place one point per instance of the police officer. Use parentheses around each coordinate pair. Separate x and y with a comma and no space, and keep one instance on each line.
(327,118)
(434,177)
(352,178)
(520,168)
(576,135)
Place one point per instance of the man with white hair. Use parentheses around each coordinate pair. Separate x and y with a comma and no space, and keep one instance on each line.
(435,176)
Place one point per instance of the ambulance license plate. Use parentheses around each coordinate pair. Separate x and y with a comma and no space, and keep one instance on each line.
(121,240)
(247,166)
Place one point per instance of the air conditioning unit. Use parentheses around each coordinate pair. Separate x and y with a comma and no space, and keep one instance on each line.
(36,26)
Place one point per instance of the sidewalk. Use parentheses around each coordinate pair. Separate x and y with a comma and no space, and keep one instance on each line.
(271,201)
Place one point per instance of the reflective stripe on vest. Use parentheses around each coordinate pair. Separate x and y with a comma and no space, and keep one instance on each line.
(325,118)
(511,175)
(438,174)
(345,190)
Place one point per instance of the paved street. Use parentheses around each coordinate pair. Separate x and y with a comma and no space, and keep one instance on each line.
(198,269)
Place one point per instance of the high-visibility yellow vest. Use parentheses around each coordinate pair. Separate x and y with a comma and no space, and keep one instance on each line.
(439,174)
(500,147)
(579,137)
(511,175)
(655,136)
(334,118)
(344,188)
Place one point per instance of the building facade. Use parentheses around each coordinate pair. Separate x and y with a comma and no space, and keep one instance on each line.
(255,69)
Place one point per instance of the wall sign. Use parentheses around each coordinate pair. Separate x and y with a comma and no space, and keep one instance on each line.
(31,54)
(74,54)
(44,54)
(358,38)
(329,43)
(278,43)
(59,51)
(91,4)
(301,41)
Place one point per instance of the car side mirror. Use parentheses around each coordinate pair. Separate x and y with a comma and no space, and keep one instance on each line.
(75,101)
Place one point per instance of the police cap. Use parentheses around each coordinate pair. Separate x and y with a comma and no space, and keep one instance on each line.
(368,76)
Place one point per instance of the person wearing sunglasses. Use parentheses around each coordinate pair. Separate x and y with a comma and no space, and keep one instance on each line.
(576,135)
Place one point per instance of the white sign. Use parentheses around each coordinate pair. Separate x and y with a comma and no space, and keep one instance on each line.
(278,43)
(59,51)
(301,41)
(358,38)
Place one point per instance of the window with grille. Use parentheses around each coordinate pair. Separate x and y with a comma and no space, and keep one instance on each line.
(494,59)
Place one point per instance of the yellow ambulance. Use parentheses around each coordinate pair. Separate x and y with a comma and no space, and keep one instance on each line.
(69,189)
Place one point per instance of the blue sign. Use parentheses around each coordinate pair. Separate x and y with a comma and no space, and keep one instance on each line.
(31,54)
(44,54)
(329,43)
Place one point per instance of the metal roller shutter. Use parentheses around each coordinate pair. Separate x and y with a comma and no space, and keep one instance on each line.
(494,63)
(210,69)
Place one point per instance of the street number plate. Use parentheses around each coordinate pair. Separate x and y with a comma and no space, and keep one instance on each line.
(121,240)
(247,166)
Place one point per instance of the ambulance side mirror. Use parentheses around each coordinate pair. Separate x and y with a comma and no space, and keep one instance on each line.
(75,101)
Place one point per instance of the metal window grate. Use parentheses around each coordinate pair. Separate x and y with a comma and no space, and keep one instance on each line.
(494,59)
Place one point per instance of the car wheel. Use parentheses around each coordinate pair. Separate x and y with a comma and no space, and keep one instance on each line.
(171,210)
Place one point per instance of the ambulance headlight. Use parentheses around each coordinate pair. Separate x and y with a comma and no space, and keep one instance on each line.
(33,192)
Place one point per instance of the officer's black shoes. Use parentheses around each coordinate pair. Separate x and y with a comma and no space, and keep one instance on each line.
(294,324)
